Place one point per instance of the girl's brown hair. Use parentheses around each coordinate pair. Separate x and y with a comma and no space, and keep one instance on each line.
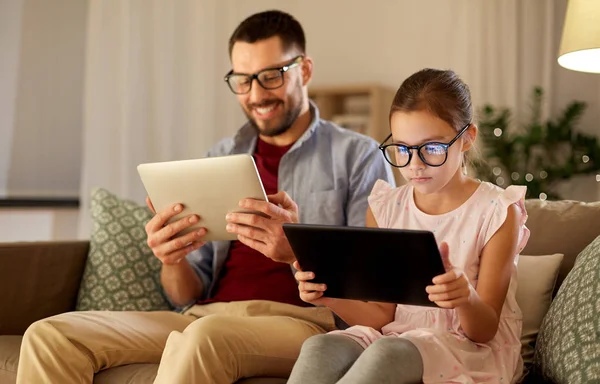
(439,92)
(443,94)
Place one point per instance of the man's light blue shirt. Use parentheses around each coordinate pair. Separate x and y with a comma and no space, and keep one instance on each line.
(328,172)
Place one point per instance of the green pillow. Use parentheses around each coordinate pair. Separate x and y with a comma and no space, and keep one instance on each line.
(121,272)
(568,345)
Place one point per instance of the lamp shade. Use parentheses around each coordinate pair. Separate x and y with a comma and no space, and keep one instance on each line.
(580,43)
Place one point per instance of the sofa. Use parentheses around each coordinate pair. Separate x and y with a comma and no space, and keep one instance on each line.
(41,279)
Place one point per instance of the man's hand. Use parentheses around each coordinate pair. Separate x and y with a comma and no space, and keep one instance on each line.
(265,234)
(167,249)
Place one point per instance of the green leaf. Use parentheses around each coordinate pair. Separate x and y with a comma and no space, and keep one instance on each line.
(555,146)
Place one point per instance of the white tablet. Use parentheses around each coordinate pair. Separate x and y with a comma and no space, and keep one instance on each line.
(210,187)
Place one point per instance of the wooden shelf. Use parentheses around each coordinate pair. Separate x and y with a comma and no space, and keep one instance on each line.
(361,107)
(340,100)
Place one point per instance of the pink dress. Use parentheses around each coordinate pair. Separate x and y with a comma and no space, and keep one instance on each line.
(448,355)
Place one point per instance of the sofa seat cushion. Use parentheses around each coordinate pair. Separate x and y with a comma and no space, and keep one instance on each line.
(263,380)
(127,374)
(9,358)
(145,373)
(131,374)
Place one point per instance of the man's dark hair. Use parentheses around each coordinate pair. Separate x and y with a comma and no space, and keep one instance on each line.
(264,25)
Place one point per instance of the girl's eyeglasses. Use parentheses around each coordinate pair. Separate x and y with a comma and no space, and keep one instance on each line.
(433,154)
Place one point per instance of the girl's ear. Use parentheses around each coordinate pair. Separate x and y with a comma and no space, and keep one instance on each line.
(469,137)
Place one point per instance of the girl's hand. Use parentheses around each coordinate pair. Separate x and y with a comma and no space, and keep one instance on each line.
(309,292)
(452,289)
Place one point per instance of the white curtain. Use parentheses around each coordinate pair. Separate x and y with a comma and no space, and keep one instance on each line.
(10,27)
(154,88)
(501,48)
(153,80)
(510,49)
(41,76)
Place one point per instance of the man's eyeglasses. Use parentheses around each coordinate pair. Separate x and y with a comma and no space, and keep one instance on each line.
(433,154)
(269,78)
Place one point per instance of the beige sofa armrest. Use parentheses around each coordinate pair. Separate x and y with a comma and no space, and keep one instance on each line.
(37,280)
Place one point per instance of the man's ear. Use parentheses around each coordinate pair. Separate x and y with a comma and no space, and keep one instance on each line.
(307,70)
(469,137)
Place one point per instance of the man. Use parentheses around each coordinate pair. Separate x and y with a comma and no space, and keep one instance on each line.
(241,311)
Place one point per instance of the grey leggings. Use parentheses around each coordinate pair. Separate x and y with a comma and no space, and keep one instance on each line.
(326,359)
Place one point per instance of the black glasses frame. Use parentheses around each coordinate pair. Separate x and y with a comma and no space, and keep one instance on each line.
(293,63)
(409,148)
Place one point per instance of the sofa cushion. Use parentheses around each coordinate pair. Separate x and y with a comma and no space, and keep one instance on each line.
(568,345)
(38,280)
(145,373)
(563,226)
(262,380)
(130,374)
(536,277)
(9,358)
(121,272)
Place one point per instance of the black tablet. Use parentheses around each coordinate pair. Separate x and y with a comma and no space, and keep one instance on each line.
(371,264)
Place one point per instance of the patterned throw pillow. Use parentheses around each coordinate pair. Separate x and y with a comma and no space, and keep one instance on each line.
(568,345)
(121,272)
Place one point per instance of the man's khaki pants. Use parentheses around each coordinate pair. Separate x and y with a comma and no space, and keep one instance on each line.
(213,343)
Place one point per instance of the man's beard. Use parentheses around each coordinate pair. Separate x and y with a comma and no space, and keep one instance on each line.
(289,117)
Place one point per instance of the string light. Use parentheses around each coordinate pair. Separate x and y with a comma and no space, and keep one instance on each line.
(497,132)
(598,178)
(585,158)
(497,171)
(514,176)
(543,175)
(543,196)
(529,177)
(500,181)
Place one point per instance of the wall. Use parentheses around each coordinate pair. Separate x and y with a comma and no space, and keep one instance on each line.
(43,224)
(41,87)
(386,41)
(43,49)
(42,52)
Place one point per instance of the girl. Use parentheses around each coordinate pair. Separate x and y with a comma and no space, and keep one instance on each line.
(473,336)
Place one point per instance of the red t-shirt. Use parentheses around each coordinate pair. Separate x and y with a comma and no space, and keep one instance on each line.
(248,274)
